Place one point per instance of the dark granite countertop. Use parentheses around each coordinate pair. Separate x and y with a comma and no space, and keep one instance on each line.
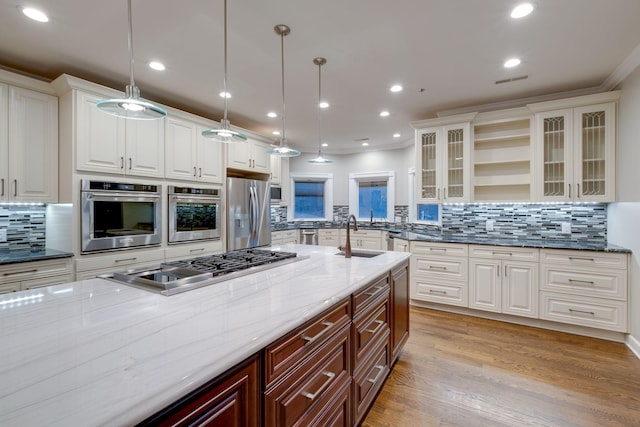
(436,236)
(28,255)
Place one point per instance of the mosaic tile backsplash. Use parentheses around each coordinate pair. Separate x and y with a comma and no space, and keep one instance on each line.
(510,221)
(22,227)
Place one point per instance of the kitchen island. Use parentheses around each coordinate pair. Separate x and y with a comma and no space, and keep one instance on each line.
(95,352)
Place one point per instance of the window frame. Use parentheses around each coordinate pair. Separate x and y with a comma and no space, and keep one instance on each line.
(356,178)
(327,178)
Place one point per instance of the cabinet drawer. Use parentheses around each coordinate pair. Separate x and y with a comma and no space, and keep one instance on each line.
(444,268)
(440,292)
(11,287)
(369,328)
(371,293)
(503,252)
(584,311)
(370,378)
(439,249)
(584,258)
(366,233)
(193,250)
(119,260)
(607,283)
(311,385)
(297,345)
(35,270)
(329,232)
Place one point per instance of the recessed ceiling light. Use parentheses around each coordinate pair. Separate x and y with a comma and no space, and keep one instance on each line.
(396,88)
(276,132)
(272,114)
(396,135)
(521,10)
(158,66)
(384,113)
(365,144)
(35,14)
(225,95)
(324,144)
(324,104)
(510,63)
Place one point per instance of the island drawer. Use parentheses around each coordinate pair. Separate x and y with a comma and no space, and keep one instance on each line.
(584,258)
(370,378)
(503,252)
(585,311)
(290,350)
(311,386)
(439,249)
(368,295)
(368,328)
(607,283)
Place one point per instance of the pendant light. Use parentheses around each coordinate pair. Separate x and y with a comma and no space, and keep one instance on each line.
(320,159)
(225,133)
(131,107)
(283,150)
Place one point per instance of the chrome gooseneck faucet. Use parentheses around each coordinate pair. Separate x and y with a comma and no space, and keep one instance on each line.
(347,248)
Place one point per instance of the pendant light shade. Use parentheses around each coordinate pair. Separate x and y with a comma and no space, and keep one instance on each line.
(131,107)
(320,159)
(283,150)
(225,133)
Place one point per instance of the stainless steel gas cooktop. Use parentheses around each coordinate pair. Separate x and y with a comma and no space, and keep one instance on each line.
(180,276)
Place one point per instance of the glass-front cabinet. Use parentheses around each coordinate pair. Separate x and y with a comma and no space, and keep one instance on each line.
(576,147)
(442,157)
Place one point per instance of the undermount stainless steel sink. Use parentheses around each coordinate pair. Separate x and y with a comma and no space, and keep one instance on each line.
(362,254)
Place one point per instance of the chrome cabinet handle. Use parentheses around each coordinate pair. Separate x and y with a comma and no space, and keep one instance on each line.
(311,396)
(126,259)
(569,190)
(200,173)
(586,282)
(372,293)
(435,291)
(194,171)
(15,187)
(437,249)
(309,339)
(437,267)
(130,163)
(502,253)
(575,258)
(578,190)
(196,250)
(2,187)
(20,272)
(380,369)
(571,310)
(121,162)
(377,328)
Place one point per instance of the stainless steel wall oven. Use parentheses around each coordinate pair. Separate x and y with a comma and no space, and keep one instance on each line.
(194,214)
(117,215)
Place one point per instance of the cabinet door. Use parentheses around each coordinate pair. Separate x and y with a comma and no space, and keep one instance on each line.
(261,157)
(485,285)
(276,166)
(594,175)
(180,149)
(238,155)
(554,132)
(369,243)
(427,160)
(209,161)
(399,309)
(100,137)
(33,146)
(145,147)
(4,142)
(455,163)
(520,288)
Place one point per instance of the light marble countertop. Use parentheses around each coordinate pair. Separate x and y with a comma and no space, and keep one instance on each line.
(95,352)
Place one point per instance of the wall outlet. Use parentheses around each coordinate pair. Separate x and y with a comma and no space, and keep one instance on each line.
(489,225)
(566,228)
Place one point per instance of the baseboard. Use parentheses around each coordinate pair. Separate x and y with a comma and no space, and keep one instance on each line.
(538,323)
(633,344)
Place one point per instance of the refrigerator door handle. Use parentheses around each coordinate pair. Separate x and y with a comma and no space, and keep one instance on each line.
(253,203)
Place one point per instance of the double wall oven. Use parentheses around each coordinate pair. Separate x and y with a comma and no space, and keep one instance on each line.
(117,215)
(194,214)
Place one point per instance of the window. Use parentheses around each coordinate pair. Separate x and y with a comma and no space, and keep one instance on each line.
(371,195)
(312,196)
(429,213)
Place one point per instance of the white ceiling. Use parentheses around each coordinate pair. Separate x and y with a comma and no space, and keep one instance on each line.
(446,53)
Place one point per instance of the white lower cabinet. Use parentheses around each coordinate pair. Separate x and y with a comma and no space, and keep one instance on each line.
(329,237)
(400,245)
(585,288)
(364,239)
(282,237)
(439,273)
(192,250)
(35,274)
(89,266)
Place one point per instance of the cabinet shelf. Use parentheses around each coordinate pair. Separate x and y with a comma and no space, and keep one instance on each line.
(590,128)
(514,179)
(501,136)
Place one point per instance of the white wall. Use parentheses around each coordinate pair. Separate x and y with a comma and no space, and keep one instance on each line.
(399,160)
(623,226)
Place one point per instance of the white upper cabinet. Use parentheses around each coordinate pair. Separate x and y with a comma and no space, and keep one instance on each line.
(443,160)
(190,156)
(110,144)
(249,155)
(276,169)
(576,150)
(28,145)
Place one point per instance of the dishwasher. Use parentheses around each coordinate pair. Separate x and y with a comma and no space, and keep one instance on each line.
(308,236)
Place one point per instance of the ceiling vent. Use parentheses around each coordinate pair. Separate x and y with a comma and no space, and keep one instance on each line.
(514,79)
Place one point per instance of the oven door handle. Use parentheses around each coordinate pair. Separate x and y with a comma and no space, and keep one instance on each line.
(195,199)
(129,196)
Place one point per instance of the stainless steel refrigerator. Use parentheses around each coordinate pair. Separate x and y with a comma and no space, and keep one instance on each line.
(248,213)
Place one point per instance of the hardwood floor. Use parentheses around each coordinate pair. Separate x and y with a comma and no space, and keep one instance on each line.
(458,370)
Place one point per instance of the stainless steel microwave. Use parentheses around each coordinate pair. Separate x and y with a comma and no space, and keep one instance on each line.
(117,215)
(276,194)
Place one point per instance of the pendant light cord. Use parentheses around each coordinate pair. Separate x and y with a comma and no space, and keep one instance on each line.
(283,107)
(130,41)
(225,124)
